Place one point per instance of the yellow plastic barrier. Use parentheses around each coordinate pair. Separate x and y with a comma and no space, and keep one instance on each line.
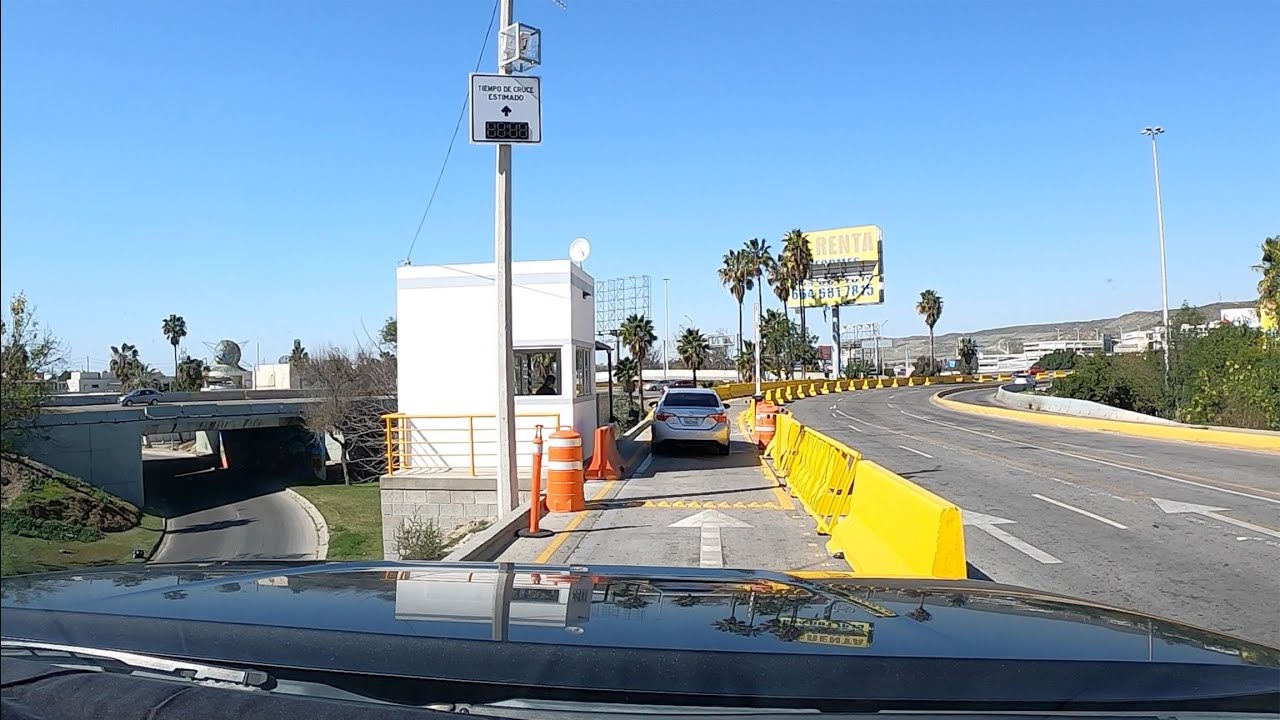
(898,529)
(880,523)
(819,471)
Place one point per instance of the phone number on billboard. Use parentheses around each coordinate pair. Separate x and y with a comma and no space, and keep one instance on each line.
(834,291)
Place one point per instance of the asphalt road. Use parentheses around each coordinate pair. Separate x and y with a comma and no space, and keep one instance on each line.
(227,515)
(1095,515)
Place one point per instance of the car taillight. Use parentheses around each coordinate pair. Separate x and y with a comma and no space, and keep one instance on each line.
(662,416)
(720,418)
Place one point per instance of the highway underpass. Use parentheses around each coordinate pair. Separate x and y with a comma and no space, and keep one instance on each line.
(1188,531)
(102,444)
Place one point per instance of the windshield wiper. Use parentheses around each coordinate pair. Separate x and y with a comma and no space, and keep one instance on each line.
(185,669)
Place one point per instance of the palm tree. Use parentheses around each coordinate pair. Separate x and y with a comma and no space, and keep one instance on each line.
(693,349)
(174,327)
(930,308)
(637,334)
(777,276)
(758,257)
(738,275)
(1269,285)
(298,354)
(624,371)
(967,355)
(122,358)
(797,260)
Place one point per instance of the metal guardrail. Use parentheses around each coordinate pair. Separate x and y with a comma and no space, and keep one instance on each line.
(430,442)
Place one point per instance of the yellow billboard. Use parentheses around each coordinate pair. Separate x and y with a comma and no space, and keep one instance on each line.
(847,268)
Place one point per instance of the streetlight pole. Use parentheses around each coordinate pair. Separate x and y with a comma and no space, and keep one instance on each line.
(1152,132)
(508,484)
(757,348)
(666,331)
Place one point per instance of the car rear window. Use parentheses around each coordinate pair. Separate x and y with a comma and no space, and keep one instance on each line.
(699,400)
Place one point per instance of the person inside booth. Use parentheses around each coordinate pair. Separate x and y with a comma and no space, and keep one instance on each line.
(548,386)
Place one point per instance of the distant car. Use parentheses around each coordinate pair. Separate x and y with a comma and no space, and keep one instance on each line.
(655,385)
(680,384)
(690,415)
(142,396)
(1027,382)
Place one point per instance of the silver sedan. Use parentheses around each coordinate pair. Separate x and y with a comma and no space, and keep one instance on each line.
(690,415)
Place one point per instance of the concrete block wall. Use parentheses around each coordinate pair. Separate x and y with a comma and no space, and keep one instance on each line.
(450,502)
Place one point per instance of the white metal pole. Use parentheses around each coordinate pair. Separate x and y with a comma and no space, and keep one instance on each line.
(507,483)
(666,331)
(1164,280)
(757,375)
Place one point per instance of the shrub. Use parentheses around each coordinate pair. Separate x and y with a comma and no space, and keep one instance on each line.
(418,539)
(1059,360)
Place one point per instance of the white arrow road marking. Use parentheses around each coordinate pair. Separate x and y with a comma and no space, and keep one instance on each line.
(1075,509)
(1173,507)
(988,523)
(711,546)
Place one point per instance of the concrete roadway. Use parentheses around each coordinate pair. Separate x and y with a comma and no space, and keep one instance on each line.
(1076,512)
(226,515)
(749,520)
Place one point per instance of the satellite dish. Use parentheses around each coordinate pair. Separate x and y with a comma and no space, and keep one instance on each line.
(579,249)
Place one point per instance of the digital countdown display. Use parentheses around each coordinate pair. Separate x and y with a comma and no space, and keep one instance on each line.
(506,130)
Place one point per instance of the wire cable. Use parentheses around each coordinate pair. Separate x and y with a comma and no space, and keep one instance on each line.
(408,256)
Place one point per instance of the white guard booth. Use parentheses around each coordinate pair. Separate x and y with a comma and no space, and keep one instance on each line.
(447,356)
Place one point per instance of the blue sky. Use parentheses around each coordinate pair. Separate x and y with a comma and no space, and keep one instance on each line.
(268,162)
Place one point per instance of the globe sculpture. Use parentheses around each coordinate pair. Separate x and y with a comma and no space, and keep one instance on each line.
(227,352)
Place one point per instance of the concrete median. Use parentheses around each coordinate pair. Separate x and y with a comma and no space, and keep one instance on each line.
(1262,440)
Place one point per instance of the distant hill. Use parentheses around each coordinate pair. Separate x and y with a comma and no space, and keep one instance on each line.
(988,340)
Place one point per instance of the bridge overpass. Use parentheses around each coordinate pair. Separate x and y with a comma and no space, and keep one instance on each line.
(102,444)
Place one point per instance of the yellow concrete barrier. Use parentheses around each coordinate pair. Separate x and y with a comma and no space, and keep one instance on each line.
(898,529)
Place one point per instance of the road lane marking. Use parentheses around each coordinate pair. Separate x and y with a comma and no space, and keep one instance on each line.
(1074,509)
(1113,452)
(988,524)
(913,450)
(710,543)
(854,428)
(1100,461)
(573,524)
(889,404)
(1172,507)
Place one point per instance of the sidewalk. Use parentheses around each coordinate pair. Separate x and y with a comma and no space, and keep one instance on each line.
(728,511)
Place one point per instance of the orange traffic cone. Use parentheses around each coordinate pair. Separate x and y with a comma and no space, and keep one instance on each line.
(606,463)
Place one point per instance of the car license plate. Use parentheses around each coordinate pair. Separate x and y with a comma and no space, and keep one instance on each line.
(691,421)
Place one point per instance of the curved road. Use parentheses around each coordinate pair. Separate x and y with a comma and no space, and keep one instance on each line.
(229,515)
(1187,531)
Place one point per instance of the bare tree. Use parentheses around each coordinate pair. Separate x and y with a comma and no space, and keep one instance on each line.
(350,391)
(28,352)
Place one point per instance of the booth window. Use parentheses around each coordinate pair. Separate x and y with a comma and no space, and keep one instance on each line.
(584,372)
(538,371)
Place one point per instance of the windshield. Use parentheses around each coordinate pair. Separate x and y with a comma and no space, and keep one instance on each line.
(973,304)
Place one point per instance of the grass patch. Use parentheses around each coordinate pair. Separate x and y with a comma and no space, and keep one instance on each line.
(20,555)
(354,516)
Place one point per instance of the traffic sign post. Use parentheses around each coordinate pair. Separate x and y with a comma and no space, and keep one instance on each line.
(505,109)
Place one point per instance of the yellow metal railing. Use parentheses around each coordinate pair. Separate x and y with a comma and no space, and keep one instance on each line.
(432,441)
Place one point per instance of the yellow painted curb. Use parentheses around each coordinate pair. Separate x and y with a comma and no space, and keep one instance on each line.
(1242,440)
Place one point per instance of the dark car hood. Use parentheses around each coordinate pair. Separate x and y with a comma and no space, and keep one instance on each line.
(165,609)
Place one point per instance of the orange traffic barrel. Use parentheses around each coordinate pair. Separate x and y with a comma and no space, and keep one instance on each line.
(766,422)
(564,471)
